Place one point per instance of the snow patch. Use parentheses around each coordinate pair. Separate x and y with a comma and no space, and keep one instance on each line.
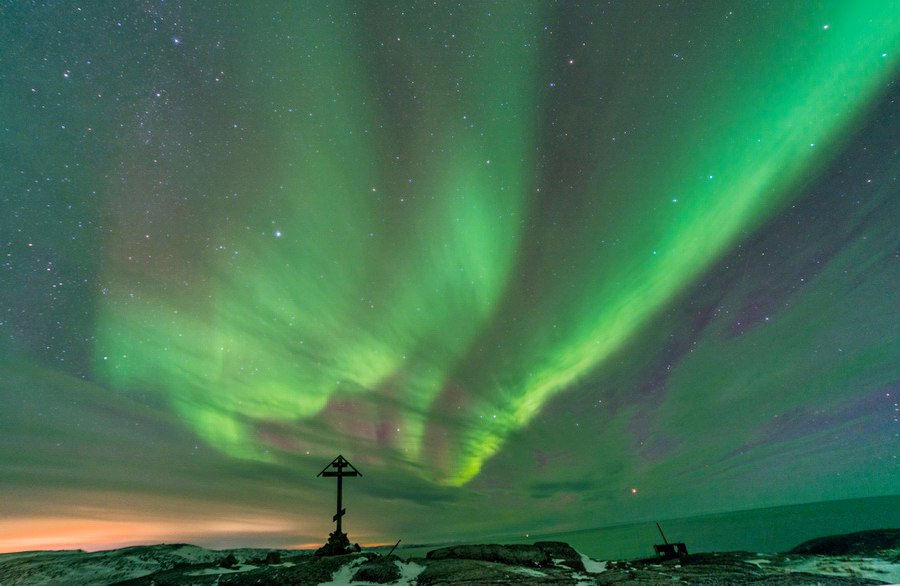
(344,575)
(592,566)
(528,572)
(213,571)
(408,573)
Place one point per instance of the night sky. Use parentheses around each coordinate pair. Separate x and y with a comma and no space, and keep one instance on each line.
(528,266)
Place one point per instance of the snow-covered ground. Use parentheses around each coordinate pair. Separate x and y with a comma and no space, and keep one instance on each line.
(848,566)
(343,576)
(409,571)
(851,566)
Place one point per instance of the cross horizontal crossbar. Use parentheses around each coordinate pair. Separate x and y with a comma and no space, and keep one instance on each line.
(330,474)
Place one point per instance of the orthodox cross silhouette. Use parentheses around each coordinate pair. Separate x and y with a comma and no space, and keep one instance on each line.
(340,464)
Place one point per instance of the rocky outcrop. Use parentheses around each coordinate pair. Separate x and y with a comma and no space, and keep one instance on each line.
(861,543)
(543,554)
(228,562)
(562,553)
(381,570)
(337,544)
(511,555)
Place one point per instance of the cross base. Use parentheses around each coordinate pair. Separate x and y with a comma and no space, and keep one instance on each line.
(337,544)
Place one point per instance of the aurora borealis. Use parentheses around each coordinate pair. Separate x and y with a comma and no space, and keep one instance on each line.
(529,266)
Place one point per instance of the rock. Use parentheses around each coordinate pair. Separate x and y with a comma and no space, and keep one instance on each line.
(513,555)
(860,543)
(464,571)
(228,562)
(381,570)
(273,557)
(337,544)
(562,553)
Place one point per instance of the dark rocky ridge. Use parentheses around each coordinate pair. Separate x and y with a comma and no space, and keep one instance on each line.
(543,554)
(873,542)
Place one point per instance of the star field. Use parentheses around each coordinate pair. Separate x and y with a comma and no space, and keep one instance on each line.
(528,265)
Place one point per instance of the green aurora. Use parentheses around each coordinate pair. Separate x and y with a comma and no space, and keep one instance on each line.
(528,265)
(428,266)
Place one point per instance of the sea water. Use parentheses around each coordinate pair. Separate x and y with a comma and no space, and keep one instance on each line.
(758,530)
(768,530)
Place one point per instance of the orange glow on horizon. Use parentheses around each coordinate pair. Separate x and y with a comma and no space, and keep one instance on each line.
(96,535)
(310,545)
